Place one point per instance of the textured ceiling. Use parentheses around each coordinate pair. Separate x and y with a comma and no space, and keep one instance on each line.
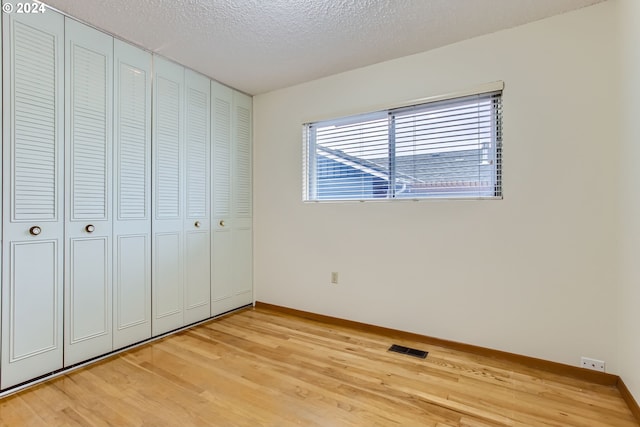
(260,45)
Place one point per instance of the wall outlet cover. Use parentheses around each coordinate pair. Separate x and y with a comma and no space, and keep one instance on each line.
(593,364)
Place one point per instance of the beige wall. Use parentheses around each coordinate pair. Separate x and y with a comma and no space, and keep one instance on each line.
(535,273)
(629,293)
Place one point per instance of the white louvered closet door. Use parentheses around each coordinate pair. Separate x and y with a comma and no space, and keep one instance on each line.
(33,230)
(232,261)
(222,290)
(197,272)
(132,195)
(88,225)
(242,207)
(168,190)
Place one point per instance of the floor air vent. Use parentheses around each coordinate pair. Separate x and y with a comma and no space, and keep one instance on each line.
(410,351)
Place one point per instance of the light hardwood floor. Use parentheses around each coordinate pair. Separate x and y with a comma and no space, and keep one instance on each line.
(259,367)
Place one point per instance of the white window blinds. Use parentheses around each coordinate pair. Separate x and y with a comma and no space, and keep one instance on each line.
(442,149)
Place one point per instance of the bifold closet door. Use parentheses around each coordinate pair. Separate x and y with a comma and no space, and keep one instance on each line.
(222,286)
(33,221)
(242,200)
(168,193)
(232,261)
(88,170)
(197,273)
(132,195)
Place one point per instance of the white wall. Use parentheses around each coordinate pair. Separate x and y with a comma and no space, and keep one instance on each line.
(629,302)
(533,274)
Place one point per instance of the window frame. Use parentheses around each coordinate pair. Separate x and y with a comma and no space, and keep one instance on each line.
(492,93)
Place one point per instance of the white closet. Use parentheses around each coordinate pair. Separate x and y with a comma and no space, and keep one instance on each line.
(168,190)
(232,260)
(115,225)
(88,225)
(33,200)
(181,237)
(197,273)
(132,195)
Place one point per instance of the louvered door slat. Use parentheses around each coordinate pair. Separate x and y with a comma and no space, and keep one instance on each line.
(197,137)
(222,155)
(89,133)
(242,190)
(133,140)
(34,126)
(167,145)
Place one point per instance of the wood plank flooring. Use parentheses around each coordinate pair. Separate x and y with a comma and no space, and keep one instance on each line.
(260,367)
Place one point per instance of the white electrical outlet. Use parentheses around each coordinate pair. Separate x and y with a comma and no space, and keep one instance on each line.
(593,364)
(334,277)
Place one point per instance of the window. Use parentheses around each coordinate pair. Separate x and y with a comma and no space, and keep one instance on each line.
(442,149)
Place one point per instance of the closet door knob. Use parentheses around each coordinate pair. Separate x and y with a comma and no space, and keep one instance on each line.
(197,224)
(35,230)
(221,223)
(90,228)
